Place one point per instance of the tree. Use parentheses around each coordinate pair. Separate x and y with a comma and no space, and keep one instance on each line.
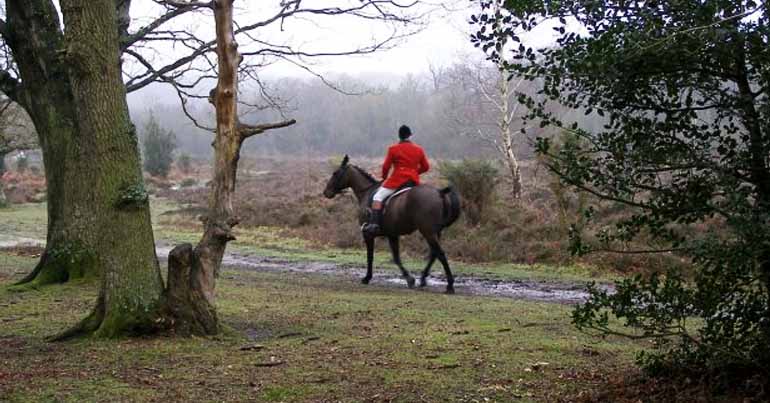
(69,80)
(683,90)
(15,135)
(194,300)
(37,76)
(483,105)
(159,148)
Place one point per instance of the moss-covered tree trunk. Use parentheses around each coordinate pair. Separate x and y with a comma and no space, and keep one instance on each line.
(45,92)
(106,153)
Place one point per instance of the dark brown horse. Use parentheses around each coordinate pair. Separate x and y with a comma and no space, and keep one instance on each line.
(423,208)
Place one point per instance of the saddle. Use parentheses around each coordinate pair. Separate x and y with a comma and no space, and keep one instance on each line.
(401,189)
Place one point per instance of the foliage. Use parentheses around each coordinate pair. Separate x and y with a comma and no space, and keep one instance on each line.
(683,96)
(188,182)
(133,196)
(159,145)
(476,181)
(184,163)
(570,204)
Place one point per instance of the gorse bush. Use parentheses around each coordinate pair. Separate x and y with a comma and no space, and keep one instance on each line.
(476,181)
(158,145)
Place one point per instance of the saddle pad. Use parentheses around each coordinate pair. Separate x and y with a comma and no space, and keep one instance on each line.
(404,190)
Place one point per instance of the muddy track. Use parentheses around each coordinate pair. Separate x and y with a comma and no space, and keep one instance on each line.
(544,291)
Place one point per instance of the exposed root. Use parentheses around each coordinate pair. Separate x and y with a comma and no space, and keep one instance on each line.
(36,271)
(87,326)
(56,268)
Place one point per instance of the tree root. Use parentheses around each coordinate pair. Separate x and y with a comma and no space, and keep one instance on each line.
(87,326)
(57,268)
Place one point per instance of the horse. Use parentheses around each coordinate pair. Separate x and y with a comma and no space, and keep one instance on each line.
(423,208)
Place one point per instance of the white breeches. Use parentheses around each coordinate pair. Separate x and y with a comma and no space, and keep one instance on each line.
(382,193)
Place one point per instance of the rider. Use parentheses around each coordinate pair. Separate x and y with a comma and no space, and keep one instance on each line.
(408,161)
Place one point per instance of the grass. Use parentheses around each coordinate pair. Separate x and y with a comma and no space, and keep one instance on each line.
(312,338)
(307,338)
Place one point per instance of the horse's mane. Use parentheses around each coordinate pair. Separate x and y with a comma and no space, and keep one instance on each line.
(365,173)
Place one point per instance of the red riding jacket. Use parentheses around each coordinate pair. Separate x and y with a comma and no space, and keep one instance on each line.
(408,161)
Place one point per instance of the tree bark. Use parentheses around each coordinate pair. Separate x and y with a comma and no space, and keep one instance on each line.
(3,199)
(35,39)
(122,248)
(506,137)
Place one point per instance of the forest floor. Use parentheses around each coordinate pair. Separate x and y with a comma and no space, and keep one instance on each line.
(305,336)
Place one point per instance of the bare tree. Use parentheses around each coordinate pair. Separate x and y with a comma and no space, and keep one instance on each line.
(205,259)
(482,104)
(16,134)
(16,131)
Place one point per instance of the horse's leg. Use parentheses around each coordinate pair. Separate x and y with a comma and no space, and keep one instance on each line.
(369,258)
(426,271)
(397,259)
(450,280)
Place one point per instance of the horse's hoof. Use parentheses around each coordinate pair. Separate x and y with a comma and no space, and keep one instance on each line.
(410,281)
(423,282)
(450,290)
(365,280)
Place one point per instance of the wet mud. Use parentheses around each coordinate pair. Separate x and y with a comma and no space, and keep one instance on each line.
(544,291)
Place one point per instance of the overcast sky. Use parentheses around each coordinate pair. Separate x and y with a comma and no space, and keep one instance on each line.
(443,38)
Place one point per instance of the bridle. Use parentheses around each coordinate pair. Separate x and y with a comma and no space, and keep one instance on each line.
(337,189)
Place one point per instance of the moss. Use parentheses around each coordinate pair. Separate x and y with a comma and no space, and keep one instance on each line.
(130,320)
(132,196)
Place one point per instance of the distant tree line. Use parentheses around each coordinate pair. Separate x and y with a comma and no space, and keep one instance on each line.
(444,109)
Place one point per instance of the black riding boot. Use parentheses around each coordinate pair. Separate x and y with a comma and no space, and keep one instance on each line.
(374,224)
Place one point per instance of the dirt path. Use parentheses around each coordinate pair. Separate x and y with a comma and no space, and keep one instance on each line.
(545,291)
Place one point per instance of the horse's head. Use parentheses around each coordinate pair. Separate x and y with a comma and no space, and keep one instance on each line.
(339,180)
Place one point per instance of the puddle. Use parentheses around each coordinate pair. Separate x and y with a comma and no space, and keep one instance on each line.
(544,291)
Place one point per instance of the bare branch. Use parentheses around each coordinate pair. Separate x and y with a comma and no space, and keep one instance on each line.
(247,131)
(177,10)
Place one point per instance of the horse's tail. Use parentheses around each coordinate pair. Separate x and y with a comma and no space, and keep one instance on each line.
(452,207)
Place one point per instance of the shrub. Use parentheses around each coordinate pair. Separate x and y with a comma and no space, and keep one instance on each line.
(184,163)
(476,181)
(188,182)
(159,148)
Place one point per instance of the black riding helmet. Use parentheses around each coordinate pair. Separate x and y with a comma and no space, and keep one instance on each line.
(404,132)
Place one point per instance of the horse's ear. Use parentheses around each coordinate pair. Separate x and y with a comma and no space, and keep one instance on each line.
(345,160)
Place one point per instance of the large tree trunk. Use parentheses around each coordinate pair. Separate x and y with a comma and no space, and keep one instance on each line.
(122,248)
(36,41)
